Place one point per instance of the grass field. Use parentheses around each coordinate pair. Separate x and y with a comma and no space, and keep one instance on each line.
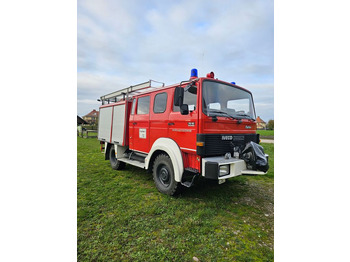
(266,133)
(122,216)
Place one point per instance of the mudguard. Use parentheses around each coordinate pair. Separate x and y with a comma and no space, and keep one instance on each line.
(172,149)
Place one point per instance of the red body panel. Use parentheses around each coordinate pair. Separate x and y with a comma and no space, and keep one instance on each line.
(191,160)
(226,125)
(126,131)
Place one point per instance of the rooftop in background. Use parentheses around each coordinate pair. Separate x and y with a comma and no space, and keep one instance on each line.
(92,113)
(91,117)
(259,120)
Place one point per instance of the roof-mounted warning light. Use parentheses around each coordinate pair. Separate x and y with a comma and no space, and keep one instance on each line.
(194,73)
(233,83)
(210,75)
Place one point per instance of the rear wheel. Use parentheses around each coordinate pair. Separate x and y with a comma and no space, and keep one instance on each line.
(163,175)
(115,163)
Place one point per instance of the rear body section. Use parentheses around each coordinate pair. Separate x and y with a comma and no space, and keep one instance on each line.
(113,123)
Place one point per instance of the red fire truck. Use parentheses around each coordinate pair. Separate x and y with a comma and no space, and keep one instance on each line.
(199,127)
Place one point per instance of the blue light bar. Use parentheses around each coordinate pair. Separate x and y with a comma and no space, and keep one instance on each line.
(233,83)
(194,72)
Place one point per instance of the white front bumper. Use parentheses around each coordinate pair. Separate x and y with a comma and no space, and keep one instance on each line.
(211,167)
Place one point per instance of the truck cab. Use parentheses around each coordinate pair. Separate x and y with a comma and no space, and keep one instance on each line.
(200,127)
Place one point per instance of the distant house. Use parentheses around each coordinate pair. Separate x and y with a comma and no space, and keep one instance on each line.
(260,124)
(91,117)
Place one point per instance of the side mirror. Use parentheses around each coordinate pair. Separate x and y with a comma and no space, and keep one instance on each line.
(178,96)
(184,109)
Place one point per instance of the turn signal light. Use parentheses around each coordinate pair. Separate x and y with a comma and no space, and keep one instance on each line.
(200,143)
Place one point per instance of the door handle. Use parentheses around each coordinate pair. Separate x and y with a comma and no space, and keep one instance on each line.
(134,123)
(171,124)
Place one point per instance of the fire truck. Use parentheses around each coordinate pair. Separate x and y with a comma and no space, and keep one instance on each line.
(201,126)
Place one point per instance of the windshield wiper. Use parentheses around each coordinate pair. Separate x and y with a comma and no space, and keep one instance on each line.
(221,112)
(246,116)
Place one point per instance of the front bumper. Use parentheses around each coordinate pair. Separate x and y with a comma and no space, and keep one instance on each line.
(211,167)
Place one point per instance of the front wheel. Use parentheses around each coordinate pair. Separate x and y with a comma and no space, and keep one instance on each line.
(115,163)
(163,175)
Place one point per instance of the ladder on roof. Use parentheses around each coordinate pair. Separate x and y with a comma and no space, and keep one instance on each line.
(124,93)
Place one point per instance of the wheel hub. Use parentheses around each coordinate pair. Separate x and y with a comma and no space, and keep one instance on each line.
(164,176)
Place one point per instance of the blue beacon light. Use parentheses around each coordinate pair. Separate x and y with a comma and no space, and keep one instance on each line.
(194,73)
(233,83)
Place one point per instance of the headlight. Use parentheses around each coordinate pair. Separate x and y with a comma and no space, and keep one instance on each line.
(224,170)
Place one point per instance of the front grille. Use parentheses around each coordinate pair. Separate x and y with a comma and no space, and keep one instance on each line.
(220,144)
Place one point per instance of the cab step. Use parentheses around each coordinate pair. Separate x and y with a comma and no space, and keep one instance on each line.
(191,182)
(132,162)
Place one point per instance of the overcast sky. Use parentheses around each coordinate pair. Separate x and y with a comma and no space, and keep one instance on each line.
(123,43)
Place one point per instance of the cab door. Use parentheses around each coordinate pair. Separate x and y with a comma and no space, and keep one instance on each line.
(139,123)
(159,115)
(183,128)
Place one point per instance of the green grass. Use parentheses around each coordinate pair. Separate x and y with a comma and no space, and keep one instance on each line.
(266,133)
(122,216)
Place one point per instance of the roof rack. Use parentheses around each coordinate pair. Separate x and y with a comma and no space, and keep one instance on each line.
(124,93)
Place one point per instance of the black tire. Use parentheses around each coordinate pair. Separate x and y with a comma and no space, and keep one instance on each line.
(115,164)
(163,175)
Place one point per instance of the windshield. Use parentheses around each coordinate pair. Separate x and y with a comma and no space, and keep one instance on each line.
(221,99)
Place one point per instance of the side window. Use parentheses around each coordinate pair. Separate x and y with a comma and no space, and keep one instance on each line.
(143,105)
(160,101)
(190,98)
(133,106)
